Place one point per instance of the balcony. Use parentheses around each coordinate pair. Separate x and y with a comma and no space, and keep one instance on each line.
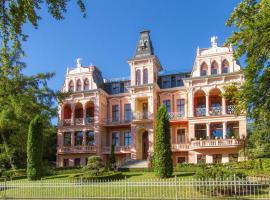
(66,122)
(117,149)
(215,110)
(176,115)
(114,122)
(89,120)
(197,144)
(142,116)
(180,147)
(230,109)
(200,112)
(76,149)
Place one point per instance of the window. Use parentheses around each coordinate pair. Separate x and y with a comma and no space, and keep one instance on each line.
(115,88)
(71,86)
(201,159)
(216,130)
(127,138)
(127,108)
(77,162)
(233,157)
(217,158)
(90,138)
(138,77)
(167,104)
(232,129)
(173,81)
(78,138)
(200,131)
(225,66)
(67,139)
(115,113)
(180,105)
(66,162)
(179,81)
(181,136)
(214,68)
(181,159)
(115,138)
(204,69)
(79,85)
(166,82)
(86,84)
(126,85)
(145,76)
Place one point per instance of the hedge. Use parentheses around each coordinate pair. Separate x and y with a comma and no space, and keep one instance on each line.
(110,176)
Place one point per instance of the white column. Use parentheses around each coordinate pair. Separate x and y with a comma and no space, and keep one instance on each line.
(72,114)
(190,103)
(208,130)
(223,106)
(224,128)
(72,138)
(84,114)
(207,104)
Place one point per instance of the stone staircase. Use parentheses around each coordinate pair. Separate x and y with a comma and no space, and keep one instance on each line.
(129,164)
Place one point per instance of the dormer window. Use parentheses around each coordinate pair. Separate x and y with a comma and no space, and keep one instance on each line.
(204,69)
(138,77)
(214,68)
(145,76)
(71,86)
(115,88)
(225,66)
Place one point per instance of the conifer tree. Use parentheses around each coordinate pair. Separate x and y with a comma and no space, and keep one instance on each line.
(162,163)
(112,159)
(35,149)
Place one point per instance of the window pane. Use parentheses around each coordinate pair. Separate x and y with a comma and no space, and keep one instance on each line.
(78,138)
(115,139)
(180,105)
(67,139)
(167,104)
(127,138)
(181,136)
(127,108)
(90,138)
(115,113)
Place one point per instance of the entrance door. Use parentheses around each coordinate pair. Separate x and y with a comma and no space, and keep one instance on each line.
(145,145)
(145,110)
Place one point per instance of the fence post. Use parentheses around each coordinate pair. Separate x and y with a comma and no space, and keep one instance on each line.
(176,196)
(125,187)
(234,184)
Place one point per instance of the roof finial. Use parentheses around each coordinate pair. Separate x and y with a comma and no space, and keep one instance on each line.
(214,41)
(79,60)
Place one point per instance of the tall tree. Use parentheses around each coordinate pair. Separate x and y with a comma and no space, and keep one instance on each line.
(34,149)
(251,39)
(162,163)
(112,159)
(22,97)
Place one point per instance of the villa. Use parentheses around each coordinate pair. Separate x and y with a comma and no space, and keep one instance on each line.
(100,112)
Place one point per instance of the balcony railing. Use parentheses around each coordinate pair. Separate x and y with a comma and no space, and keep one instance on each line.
(110,121)
(89,120)
(230,109)
(200,112)
(66,122)
(78,121)
(179,147)
(117,149)
(142,115)
(77,149)
(176,115)
(216,143)
(215,110)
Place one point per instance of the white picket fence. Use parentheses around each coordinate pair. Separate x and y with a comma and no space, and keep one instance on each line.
(175,188)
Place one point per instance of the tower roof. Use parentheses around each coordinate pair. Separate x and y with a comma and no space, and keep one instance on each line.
(144,45)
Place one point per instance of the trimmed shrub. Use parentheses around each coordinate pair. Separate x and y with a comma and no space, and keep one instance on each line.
(34,149)
(105,176)
(162,161)
(94,166)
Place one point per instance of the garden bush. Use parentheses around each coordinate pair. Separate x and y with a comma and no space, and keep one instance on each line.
(104,176)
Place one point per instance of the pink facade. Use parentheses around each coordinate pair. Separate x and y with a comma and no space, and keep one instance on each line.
(100,112)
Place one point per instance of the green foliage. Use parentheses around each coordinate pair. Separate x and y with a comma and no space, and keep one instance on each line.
(34,149)
(94,166)
(104,176)
(186,167)
(162,161)
(112,159)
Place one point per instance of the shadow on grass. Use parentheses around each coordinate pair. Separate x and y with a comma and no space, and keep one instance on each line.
(184,174)
(129,175)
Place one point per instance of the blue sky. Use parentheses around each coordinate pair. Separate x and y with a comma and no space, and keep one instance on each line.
(107,37)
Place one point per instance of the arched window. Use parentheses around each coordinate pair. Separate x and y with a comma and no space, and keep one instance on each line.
(145,76)
(225,66)
(138,77)
(71,86)
(86,84)
(204,69)
(79,85)
(214,67)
